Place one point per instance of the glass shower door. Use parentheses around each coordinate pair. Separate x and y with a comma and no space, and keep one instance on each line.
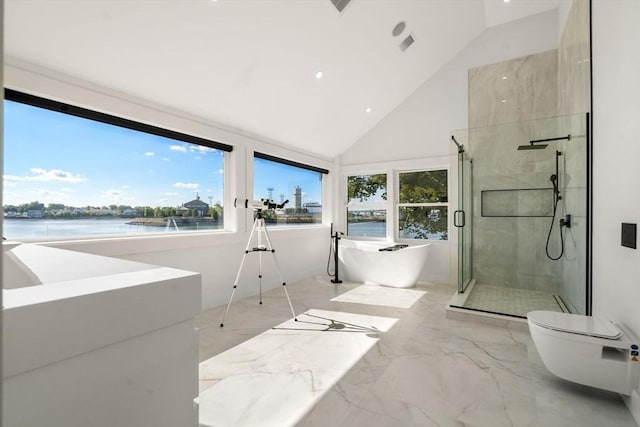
(463,216)
(467,207)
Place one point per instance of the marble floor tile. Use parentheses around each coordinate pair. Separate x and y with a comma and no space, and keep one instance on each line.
(426,370)
(301,359)
(381,295)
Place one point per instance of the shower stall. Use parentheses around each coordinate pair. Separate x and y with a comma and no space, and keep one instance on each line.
(521,220)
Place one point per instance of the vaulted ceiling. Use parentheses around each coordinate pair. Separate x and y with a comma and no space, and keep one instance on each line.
(251,65)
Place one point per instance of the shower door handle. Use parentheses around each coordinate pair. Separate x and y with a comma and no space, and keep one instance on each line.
(455,218)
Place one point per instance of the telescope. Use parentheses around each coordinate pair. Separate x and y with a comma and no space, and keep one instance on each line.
(262,204)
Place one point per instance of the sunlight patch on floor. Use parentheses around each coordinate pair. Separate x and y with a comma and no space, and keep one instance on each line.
(275,378)
(381,295)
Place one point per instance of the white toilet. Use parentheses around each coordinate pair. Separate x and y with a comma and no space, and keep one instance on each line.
(586,350)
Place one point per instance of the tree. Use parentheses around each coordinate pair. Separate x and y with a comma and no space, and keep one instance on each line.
(423,187)
(364,186)
(37,206)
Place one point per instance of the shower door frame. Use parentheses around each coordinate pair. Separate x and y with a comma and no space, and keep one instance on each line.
(465,229)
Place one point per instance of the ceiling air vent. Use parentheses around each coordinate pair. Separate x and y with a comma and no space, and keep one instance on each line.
(340,4)
(406,43)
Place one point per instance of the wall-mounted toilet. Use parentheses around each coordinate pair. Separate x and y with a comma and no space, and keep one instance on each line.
(586,350)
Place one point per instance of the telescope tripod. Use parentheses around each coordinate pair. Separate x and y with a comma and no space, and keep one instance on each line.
(260,230)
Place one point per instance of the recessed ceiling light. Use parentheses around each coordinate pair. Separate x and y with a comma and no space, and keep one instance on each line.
(507,1)
(368,110)
(505,77)
(503,101)
(319,75)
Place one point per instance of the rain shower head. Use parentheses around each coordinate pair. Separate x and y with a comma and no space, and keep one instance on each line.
(532,146)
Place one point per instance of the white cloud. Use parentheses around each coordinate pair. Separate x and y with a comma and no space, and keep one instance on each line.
(43,175)
(55,175)
(180,148)
(189,185)
(221,171)
(169,193)
(166,159)
(149,154)
(12,178)
(203,149)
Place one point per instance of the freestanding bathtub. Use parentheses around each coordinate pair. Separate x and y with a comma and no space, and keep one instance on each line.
(363,261)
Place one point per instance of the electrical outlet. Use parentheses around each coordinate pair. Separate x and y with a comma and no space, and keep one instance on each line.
(628,238)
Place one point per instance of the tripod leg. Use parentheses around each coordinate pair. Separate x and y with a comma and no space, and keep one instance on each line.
(260,274)
(235,286)
(284,285)
(261,225)
(235,283)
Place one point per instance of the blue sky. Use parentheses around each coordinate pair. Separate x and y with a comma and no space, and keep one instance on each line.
(56,158)
(283,179)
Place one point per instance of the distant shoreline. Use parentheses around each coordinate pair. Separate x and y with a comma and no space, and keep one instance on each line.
(162,222)
(68,218)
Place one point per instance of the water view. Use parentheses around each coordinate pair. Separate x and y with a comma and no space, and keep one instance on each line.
(42,228)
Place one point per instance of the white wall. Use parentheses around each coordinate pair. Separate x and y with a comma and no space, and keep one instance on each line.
(616,160)
(301,252)
(421,126)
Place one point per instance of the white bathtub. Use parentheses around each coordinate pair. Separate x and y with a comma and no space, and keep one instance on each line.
(362,261)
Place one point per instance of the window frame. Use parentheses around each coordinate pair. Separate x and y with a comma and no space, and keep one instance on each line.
(324,173)
(121,122)
(382,205)
(397,204)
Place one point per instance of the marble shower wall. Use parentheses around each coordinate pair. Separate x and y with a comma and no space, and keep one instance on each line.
(573,185)
(511,103)
(504,100)
(509,250)
(574,75)
(574,101)
(516,90)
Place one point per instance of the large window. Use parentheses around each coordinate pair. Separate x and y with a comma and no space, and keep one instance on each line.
(422,205)
(367,205)
(74,172)
(295,187)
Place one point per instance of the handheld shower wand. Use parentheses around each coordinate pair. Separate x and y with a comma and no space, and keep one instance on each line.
(564,222)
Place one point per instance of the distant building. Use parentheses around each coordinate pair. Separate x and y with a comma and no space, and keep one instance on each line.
(182,211)
(201,208)
(297,197)
(313,207)
(34,213)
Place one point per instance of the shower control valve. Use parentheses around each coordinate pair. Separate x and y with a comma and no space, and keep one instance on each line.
(566,221)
